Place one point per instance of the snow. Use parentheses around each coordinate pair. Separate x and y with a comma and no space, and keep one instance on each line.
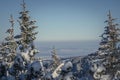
(36,66)
(58,69)
(90,67)
(67,66)
(33,52)
(25,55)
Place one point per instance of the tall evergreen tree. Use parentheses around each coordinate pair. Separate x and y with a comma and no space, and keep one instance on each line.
(110,37)
(27,28)
(9,45)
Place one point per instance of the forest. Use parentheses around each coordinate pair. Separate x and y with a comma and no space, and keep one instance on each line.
(18,61)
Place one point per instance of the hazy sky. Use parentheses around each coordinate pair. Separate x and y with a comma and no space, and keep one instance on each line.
(62,20)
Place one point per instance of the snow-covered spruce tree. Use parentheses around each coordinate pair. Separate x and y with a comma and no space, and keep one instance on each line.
(9,45)
(8,51)
(23,59)
(110,37)
(104,64)
(109,47)
(55,58)
(27,28)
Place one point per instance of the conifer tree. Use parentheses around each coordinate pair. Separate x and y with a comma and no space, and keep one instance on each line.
(56,59)
(9,45)
(110,37)
(27,28)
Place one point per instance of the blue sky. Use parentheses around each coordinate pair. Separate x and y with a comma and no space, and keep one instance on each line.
(62,20)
